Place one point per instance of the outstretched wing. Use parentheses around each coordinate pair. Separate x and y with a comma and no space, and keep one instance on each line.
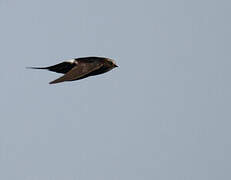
(80,70)
(63,67)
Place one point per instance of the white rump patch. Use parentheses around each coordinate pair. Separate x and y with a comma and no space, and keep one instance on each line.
(70,61)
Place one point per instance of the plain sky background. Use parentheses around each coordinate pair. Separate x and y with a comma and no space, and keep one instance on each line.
(164,114)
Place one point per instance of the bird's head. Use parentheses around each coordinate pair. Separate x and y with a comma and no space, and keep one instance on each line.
(112,63)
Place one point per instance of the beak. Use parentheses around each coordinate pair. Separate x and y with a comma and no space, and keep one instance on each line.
(116,65)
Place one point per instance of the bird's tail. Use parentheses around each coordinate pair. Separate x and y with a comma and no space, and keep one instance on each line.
(36,67)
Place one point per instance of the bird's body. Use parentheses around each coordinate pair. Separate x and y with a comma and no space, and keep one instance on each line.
(80,68)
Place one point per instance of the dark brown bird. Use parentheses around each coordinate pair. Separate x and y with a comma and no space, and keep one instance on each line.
(80,68)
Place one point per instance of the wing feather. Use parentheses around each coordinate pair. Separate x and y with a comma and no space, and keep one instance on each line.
(80,70)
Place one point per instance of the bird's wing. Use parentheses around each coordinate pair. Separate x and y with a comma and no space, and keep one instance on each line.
(62,67)
(80,70)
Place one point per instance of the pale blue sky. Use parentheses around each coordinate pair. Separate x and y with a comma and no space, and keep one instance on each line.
(164,114)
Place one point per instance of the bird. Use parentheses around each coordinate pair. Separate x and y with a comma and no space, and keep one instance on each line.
(80,68)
